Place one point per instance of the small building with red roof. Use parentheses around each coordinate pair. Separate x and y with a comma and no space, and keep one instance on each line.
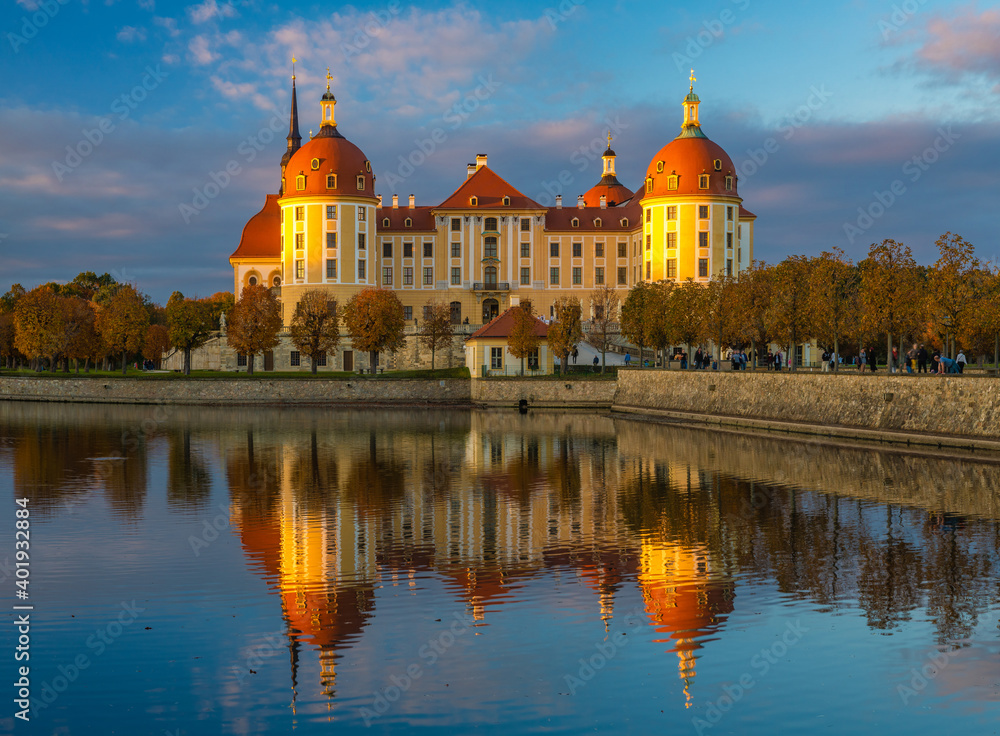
(487,352)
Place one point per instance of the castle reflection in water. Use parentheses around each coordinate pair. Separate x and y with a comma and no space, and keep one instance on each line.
(329,507)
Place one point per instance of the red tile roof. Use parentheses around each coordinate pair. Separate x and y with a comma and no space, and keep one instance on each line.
(746,214)
(422,219)
(561,219)
(489,189)
(262,234)
(503,325)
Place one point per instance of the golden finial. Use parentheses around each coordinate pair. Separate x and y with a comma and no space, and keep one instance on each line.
(609,139)
(693,80)
(328,78)
(294,60)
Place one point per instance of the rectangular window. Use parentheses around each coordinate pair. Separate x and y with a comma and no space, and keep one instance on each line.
(672,212)
(456,276)
(490,247)
(703,211)
(331,268)
(331,240)
(577,275)
(554,276)
(703,181)
(331,212)
(428,277)
(649,242)
(623,250)
(671,182)
(496,358)
(456,224)
(578,250)
(331,181)
(533,360)
(729,183)
(361,183)
(361,241)
(407,312)
(241,360)
(321,359)
(427,312)
(672,269)
(649,268)
(456,250)
(622,275)
(361,270)
(361,213)
(300,241)
(525,250)
(729,213)
(428,250)
(407,250)
(525,276)
(387,250)
(703,268)
(671,240)
(387,276)
(553,250)
(703,239)
(599,276)
(407,275)
(295,359)
(729,240)
(300,214)
(525,224)
(649,214)
(282,215)
(729,267)
(598,250)
(300,269)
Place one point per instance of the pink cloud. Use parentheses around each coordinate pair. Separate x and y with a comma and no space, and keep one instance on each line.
(969,42)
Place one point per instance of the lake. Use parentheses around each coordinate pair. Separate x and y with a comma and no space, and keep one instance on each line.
(306,570)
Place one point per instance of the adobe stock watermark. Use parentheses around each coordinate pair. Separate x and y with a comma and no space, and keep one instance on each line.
(604,652)
(431,652)
(759,156)
(902,13)
(712,31)
(247,150)
(121,108)
(760,664)
(454,117)
(256,655)
(45,10)
(918,678)
(375,22)
(912,170)
(581,159)
(210,530)
(562,12)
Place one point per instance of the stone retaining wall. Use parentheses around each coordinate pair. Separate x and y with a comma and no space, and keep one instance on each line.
(567,394)
(942,405)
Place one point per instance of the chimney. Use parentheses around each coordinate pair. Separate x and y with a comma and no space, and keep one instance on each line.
(580,203)
(558,201)
(472,170)
(380,201)
(480,160)
(413,201)
(395,201)
(604,201)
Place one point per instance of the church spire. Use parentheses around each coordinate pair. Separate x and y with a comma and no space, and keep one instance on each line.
(691,127)
(294,139)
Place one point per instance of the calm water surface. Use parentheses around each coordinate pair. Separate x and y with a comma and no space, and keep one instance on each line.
(332,572)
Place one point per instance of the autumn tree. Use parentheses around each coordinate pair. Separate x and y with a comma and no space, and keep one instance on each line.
(84,342)
(604,304)
(315,328)
(789,305)
(660,328)
(634,326)
(687,312)
(890,291)
(374,319)
(157,342)
(8,302)
(952,286)
(981,329)
(523,339)
(40,325)
(8,352)
(122,321)
(254,323)
(190,324)
(833,299)
(436,331)
(566,331)
(720,312)
(753,291)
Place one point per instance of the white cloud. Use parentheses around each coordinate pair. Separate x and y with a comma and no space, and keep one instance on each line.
(210,9)
(149,5)
(28,4)
(169,24)
(200,51)
(131,34)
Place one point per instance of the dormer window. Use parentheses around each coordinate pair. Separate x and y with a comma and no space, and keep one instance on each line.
(314,164)
(368,166)
(703,181)
(649,184)
(718,164)
(331,181)
(672,182)
(300,182)
(506,201)
(624,222)
(361,183)
(385,222)
(408,222)
(729,183)
(597,222)
(473,201)
(659,167)
(575,222)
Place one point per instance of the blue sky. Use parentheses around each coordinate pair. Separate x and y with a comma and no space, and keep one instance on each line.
(850,121)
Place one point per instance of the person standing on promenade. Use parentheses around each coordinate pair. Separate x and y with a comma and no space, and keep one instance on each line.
(911,359)
(895,360)
(960,361)
(826,361)
(872,360)
(862,360)
(921,359)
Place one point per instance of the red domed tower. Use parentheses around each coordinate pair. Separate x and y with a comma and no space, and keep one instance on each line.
(613,191)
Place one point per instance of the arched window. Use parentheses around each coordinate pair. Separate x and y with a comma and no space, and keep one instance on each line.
(490,276)
(575,222)
(597,222)
(276,281)
(456,313)
(252,281)
(506,201)
(408,222)
(300,182)
(473,201)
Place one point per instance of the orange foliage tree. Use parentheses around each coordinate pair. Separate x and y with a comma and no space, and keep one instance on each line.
(374,319)
(254,323)
(523,340)
(436,331)
(122,322)
(157,342)
(315,327)
(40,325)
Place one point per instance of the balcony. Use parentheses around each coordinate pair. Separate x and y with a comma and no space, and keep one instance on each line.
(491,286)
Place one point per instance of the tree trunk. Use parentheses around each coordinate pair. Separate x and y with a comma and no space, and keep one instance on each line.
(996,353)
(888,353)
(432,360)
(86,364)
(250,364)
(187,360)
(372,357)
(124,363)
(753,353)
(604,357)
